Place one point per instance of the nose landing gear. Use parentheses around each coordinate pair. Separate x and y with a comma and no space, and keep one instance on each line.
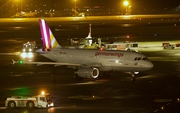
(133,78)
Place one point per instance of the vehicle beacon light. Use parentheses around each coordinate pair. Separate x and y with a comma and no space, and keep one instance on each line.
(42,93)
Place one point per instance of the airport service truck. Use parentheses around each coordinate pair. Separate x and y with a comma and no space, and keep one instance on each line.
(167,45)
(40,101)
(29,47)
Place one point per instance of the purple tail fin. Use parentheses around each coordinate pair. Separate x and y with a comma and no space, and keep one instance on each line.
(48,39)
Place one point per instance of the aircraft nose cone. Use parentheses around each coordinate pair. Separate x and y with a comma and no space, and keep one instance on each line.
(150,65)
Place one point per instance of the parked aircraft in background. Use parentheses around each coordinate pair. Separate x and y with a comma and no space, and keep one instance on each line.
(85,43)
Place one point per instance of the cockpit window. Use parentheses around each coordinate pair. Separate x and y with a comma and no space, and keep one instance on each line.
(140,58)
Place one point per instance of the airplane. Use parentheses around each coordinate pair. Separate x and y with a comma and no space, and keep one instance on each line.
(89,62)
(89,37)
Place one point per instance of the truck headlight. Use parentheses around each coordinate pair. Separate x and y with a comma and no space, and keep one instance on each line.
(51,104)
(30,55)
(24,55)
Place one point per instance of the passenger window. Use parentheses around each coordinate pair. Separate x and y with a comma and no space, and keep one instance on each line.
(139,58)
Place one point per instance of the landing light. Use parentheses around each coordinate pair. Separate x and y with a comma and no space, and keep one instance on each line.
(136,73)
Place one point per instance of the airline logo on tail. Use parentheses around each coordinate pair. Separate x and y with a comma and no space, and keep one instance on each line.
(48,38)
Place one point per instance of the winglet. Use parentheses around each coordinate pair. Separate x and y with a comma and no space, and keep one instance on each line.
(89,35)
(14,61)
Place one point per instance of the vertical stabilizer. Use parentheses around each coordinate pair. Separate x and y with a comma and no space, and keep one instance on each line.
(48,39)
(89,35)
(89,38)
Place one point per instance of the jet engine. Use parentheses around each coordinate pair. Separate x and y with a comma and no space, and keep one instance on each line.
(88,72)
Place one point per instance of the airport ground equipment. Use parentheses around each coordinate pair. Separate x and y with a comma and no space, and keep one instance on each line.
(28,49)
(128,46)
(167,45)
(177,44)
(40,101)
(29,46)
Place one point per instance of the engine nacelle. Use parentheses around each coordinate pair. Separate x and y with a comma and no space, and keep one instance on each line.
(88,72)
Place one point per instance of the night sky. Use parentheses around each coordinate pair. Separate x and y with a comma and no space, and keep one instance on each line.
(115,3)
(105,3)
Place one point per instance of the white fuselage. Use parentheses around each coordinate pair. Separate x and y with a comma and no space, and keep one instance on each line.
(109,60)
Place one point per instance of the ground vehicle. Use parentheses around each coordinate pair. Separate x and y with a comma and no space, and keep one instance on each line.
(28,49)
(128,46)
(39,101)
(29,46)
(168,46)
(177,44)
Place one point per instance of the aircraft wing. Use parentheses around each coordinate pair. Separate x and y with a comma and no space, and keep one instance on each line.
(57,64)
